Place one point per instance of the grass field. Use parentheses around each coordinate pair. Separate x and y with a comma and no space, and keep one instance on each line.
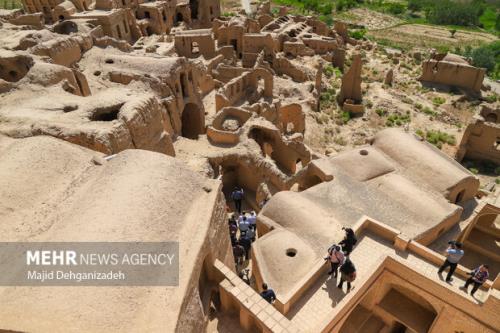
(10,4)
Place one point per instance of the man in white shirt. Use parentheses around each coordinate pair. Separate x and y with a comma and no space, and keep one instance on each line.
(244,225)
(252,219)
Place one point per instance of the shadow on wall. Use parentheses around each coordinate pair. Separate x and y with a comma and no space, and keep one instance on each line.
(192,121)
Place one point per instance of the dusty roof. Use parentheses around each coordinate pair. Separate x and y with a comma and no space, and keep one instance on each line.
(381,181)
(422,163)
(136,196)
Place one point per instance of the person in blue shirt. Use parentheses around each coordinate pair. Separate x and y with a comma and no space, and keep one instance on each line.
(453,255)
(268,294)
(237,196)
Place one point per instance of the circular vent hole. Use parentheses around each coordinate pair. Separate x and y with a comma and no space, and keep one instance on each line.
(363,152)
(291,252)
(109,61)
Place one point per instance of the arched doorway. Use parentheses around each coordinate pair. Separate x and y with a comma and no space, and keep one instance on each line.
(491,118)
(193,4)
(179,18)
(192,121)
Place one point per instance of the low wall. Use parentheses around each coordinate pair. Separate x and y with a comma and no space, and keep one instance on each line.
(255,313)
(223,137)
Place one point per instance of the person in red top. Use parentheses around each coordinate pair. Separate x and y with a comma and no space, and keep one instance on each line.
(478,277)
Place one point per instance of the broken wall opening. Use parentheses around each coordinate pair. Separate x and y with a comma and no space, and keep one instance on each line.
(192,121)
(108,113)
(194,6)
(13,69)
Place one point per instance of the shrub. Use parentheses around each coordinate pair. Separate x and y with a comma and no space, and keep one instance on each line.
(397,120)
(437,101)
(491,98)
(328,71)
(437,138)
(381,112)
(357,34)
(396,8)
(474,171)
(345,116)
(428,111)
(486,56)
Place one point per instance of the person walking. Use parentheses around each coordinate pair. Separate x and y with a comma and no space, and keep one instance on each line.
(347,274)
(268,294)
(454,253)
(239,253)
(478,277)
(246,242)
(336,258)
(252,219)
(349,241)
(244,225)
(237,196)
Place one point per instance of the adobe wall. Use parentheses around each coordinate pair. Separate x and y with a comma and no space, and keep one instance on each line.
(36,20)
(193,313)
(283,66)
(481,141)
(453,74)
(114,24)
(231,36)
(247,83)
(185,44)
(256,42)
(321,45)
(291,116)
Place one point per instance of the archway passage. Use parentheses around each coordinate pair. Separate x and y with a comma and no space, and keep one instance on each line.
(460,197)
(193,4)
(192,121)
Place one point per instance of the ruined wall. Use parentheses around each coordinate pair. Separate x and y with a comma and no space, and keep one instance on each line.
(194,43)
(453,74)
(245,85)
(481,141)
(321,45)
(231,36)
(283,66)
